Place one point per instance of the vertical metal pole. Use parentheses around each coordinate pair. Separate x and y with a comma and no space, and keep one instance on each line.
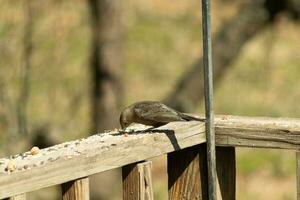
(208,90)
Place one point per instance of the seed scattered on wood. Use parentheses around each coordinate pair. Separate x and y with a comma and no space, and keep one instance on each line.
(23,155)
(11,166)
(34,150)
(105,147)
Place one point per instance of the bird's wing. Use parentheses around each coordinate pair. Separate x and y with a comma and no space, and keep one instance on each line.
(157,112)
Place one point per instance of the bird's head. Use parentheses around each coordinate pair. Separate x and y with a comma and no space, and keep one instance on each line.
(126,117)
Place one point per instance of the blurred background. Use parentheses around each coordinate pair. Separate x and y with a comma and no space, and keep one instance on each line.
(68,67)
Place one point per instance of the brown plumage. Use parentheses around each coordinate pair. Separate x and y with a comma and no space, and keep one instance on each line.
(152,113)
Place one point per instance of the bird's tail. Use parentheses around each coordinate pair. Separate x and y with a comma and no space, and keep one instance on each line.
(191,118)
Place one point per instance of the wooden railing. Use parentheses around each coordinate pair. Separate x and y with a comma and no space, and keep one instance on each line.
(71,163)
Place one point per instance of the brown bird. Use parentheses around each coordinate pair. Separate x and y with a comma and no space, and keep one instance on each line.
(152,113)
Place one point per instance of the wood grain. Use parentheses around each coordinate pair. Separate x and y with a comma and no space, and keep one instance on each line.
(98,153)
(81,158)
(17,197)
(76,190)
(146,187)
(298,173)
(187,174)
(226,172)
(257,132)
(137,181)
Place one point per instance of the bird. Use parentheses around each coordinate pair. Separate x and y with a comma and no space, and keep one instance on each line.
(152,113)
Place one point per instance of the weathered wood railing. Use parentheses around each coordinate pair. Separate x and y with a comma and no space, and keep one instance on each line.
(70,163)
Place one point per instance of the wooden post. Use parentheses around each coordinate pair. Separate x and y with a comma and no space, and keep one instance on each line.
(226,172)
(187,173)
(298,173)
(137,181)
(17,197)
(76,190)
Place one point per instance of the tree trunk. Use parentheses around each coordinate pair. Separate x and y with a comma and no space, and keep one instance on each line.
(105,63)
(228,42)
(25,72)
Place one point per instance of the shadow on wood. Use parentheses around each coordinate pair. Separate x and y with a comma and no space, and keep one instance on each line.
(187,173)
(76,190)
(226,172)
(137,181)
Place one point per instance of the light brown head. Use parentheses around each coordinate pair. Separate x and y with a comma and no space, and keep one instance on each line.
(127,117)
